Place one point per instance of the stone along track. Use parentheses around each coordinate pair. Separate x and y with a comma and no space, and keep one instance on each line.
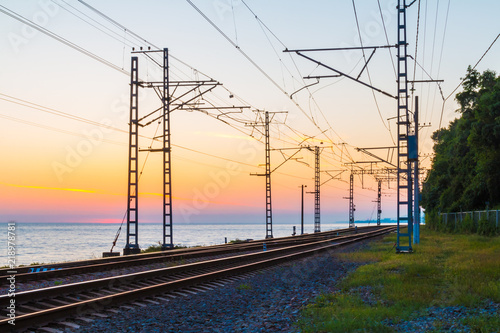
(38,307)
(51,272)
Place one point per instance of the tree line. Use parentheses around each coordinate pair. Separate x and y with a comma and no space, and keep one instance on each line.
(465,172)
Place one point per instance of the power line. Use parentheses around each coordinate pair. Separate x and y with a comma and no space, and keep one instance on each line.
(142,39)
(416,42)
(432,52)
(88,121)
(368,72)
(88,53)
(137,37)
(424,42)
(111,33)
(55,129)
(441,53)
(64,41)
(311,94)
(91,122)
(387,37)
(80,49)
(195,70)
(256,65)
(237,47)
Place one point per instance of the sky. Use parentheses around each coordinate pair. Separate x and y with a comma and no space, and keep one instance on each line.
(64,102)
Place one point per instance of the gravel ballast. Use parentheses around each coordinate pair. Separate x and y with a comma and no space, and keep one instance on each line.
(268,301)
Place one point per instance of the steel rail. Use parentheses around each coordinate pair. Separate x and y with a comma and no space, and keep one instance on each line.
(237,265)
(120,280)
(99,265)
(25,269)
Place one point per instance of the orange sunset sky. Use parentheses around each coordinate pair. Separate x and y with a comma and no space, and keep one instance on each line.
(60,165)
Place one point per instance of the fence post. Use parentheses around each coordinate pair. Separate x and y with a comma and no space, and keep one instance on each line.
(497,218)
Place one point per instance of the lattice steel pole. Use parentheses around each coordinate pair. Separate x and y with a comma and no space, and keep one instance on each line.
(167,164)
(404,187)
(317,207)
(379,201)
(302,210)
(416,172)
(269,210)
(132,244)
(351,201)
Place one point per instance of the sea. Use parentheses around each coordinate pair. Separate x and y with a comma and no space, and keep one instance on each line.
(44,243)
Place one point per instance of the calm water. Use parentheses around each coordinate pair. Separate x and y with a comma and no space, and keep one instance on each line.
(56,242)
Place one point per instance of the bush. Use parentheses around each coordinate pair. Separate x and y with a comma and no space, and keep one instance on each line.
(157,248)
(486,228)
(468,226)
(432,220)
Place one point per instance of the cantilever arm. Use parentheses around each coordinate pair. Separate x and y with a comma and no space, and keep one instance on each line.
(287,159)
(346,75)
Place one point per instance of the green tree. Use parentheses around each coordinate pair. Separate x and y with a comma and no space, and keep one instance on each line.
(465,171)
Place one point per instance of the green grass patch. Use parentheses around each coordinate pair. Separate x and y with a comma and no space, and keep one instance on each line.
(243,286)
(483,324)
(465,225)
(157,248)
(237,241)
(445,270)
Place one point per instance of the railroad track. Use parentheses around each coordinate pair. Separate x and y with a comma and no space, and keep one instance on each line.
(54,271)
(38,307)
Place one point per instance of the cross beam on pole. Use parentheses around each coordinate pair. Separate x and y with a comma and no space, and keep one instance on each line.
(388,159)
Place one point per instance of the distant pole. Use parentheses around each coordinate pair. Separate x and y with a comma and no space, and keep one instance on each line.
(317,209)
(379,201)
(317,185)
(269,210)
(302,211)
(351,201)
(267,174)
(416,222)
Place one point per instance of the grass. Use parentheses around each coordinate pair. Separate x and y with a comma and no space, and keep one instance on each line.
(236,241)
(243,286)
(483,324)
(35,263)
(444,270)
(469,225)
(157,248)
